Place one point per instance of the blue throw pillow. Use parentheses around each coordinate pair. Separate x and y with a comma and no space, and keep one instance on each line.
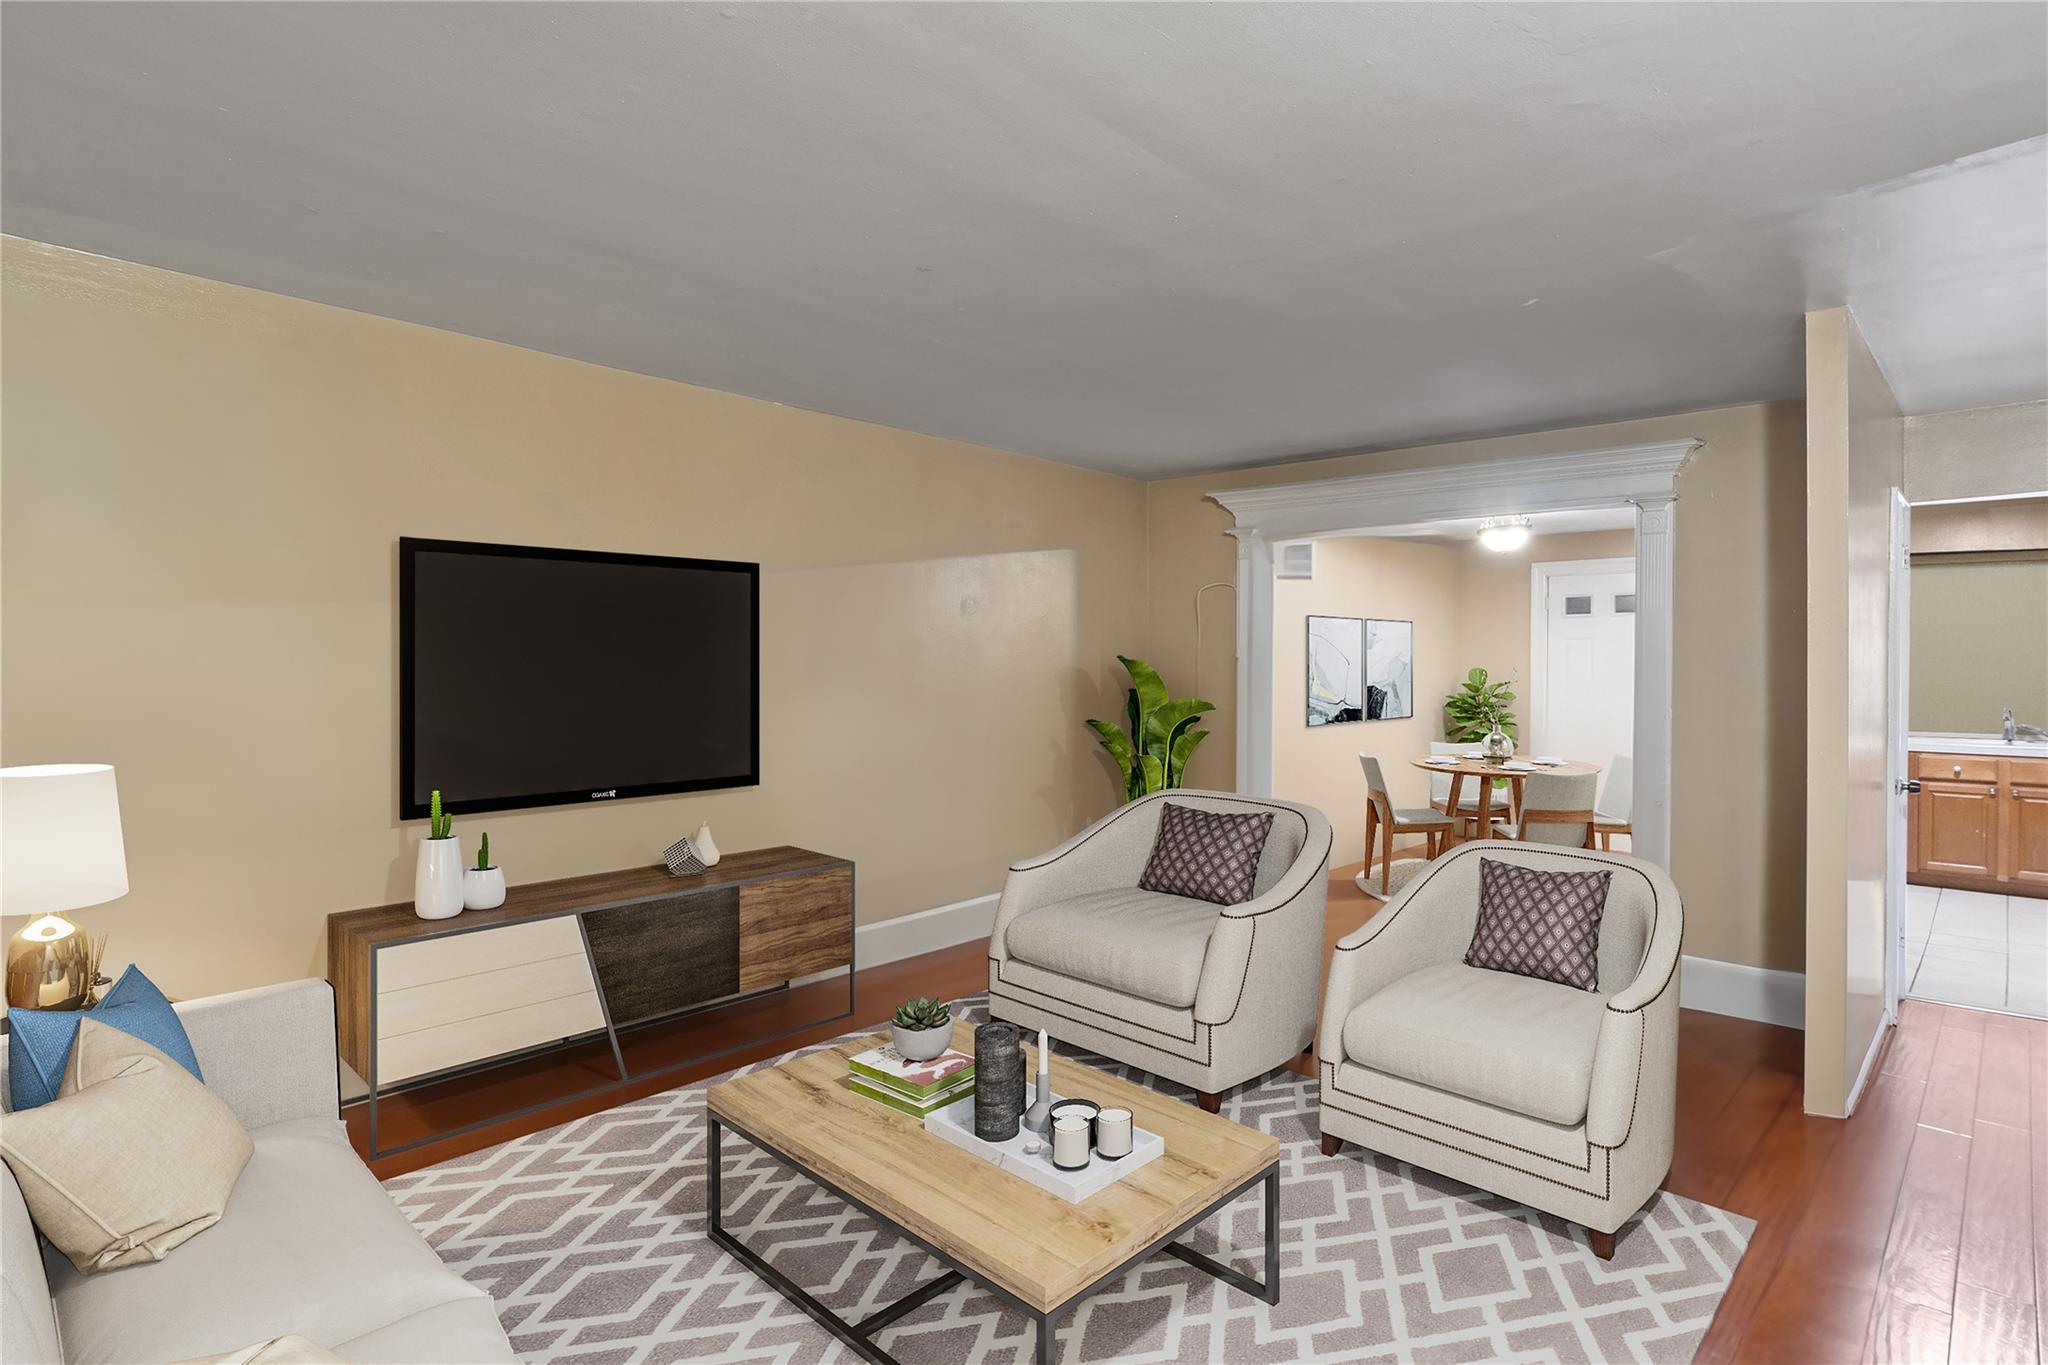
(39,1041)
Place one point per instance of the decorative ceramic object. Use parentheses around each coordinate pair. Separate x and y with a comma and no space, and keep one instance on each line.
(681,857)
(1497,745)
(998,1081)
(437,885)
(1038,1118)
(483,888)
(706,849)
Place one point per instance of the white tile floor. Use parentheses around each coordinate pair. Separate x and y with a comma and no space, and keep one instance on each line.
(1975,949)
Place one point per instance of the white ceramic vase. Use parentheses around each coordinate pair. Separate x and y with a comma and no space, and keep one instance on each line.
(437,886)
(483,888)
(707,852)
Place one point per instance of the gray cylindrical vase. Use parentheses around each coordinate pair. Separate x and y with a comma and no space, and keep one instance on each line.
(998,1081)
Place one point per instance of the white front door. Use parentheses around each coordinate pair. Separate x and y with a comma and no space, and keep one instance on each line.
(1587,695)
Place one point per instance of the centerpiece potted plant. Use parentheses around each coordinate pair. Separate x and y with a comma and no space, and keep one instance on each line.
(922,1029)
(1477,713)
(483,886)
(437,885)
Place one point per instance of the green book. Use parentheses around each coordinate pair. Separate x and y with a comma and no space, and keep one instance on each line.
(915,1108)
(885,1067)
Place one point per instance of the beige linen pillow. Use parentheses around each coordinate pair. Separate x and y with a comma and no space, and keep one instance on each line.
(292,1350)
(134,1156)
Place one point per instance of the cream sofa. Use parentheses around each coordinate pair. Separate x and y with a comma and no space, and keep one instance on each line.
(310,1243)
(1558,1098)
(1207,995)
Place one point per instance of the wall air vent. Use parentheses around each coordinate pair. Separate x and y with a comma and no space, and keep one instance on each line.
(1297,560)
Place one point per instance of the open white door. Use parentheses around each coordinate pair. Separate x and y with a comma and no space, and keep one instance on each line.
(1897,780)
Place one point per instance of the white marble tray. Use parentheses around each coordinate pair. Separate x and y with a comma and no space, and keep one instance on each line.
(955,1123)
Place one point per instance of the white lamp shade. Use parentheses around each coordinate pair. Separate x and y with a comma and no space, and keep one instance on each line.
(60,838)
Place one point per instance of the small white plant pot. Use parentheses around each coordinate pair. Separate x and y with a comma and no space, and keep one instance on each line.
(437,886)
(921,1044)
(483,889)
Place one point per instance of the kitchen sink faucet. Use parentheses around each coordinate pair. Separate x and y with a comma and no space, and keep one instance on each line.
(2014,733)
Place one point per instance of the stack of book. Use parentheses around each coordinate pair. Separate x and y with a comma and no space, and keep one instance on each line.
(915,1088)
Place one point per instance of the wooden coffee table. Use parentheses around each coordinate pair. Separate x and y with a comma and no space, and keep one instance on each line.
(1031,1249)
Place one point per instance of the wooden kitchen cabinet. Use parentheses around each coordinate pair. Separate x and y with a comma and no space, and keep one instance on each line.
(2023,837)
(1979,823)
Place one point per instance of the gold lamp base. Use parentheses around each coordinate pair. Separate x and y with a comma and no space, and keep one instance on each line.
(51,965)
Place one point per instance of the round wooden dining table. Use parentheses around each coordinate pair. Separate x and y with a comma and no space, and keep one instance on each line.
(1486,770)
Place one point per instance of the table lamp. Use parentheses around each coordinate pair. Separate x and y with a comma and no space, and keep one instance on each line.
(60,849)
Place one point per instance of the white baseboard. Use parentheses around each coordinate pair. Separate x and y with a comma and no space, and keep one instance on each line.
(926,931)
(1758,993)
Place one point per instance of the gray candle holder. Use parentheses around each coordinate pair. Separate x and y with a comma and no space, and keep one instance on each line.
(998,1081)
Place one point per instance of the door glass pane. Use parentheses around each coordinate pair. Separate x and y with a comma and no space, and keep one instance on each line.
(1624,603)
(1578,606)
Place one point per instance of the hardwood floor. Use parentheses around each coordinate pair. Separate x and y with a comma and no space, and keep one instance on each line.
(1916,1231)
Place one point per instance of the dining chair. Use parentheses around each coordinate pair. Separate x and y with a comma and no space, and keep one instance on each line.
(1557,808)
(1382,814)
(1617,801)
(1467,813)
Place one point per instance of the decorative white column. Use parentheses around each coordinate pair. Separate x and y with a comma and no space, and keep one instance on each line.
(1254,664)
(1650,820)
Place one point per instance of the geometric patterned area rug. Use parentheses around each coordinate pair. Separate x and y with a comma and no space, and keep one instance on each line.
(590,1237)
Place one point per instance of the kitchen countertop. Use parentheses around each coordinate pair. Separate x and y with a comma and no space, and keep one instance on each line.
(1991,745)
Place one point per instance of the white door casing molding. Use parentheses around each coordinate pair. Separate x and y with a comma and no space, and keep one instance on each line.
(1640,476)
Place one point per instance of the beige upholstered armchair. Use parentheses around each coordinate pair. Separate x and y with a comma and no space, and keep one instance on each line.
(1207,995)
(1559,1098)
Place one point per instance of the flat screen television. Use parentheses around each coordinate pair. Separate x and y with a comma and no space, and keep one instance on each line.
(539,677)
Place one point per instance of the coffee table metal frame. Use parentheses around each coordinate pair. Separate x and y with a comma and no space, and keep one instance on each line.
(858,1336)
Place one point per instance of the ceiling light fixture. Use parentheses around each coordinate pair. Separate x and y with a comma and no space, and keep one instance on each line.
(1502,534)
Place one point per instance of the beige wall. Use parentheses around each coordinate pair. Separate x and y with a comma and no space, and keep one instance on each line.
(1470,606)
(1855,457)
(204,486)
(1392,580)
(1978,643)
(1738,744)
(1977,452)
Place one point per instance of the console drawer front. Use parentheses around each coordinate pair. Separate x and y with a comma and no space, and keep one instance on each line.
(486,1035)
(435,1003)
(401,966)
(793,926)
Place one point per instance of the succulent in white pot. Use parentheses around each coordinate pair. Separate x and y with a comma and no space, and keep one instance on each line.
(437,884)
(483,886)
(922,1029)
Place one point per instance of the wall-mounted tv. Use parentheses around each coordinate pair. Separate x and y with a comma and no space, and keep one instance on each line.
(539,677)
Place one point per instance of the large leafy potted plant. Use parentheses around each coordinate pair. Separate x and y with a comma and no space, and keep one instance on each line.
(1160,736)
(1477,713)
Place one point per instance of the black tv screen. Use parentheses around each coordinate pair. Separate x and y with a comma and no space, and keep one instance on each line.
(537,677)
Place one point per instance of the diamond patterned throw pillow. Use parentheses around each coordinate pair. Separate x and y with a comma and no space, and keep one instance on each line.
(1206,855)
(1540,924)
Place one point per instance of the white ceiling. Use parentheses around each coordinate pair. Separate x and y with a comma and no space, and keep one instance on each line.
(1147,238)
